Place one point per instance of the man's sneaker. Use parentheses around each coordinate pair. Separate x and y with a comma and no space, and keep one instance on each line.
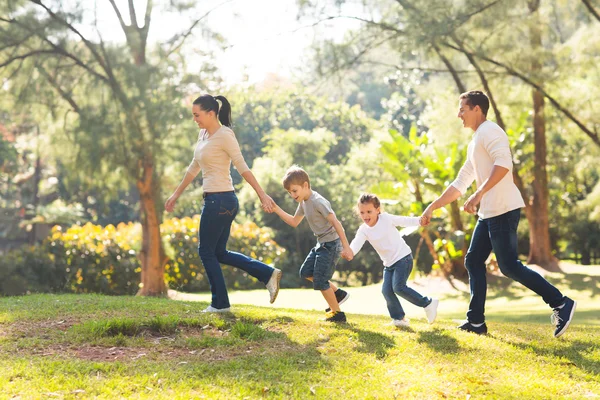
(468,327)
(211,309)
(561,316)
(401,323)
(273,284)
(335,316)
(341,296)
(431,310)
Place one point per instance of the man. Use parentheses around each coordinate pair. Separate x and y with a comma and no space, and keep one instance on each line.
(489,163)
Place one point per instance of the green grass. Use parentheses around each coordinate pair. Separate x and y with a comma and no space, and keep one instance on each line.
(90,346)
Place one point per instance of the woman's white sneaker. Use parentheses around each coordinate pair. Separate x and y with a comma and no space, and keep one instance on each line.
(211,309)
(431,310)
(273,285)
(401,323)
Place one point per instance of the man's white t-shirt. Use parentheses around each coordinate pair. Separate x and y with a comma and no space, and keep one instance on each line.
(488,147)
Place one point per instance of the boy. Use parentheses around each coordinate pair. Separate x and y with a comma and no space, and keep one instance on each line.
(320,263)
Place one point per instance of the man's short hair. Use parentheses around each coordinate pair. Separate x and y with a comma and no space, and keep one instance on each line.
(295,176)
(477,98)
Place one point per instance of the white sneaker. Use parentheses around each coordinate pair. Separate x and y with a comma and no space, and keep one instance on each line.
(211,309)
(401,323)
(273,285)
(431,310)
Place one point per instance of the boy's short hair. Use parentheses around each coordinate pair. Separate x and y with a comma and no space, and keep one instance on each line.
(295,176)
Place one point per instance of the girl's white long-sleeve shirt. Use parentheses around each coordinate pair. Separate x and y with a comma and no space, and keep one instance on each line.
(490,147)
(385,237)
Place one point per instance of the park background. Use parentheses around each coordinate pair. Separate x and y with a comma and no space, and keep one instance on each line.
(96,132)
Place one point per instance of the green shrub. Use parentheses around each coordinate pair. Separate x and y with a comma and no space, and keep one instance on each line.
(96,259)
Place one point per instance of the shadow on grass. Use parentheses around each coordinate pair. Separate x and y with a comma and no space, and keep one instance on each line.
(439,340)
(571,350)
(371,342)
(587,317)
(579,282)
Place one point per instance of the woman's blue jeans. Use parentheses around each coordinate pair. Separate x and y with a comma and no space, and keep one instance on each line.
(394,283)
(218,213)
(500,234)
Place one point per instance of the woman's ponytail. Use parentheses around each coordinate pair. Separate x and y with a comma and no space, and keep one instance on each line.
(224,111)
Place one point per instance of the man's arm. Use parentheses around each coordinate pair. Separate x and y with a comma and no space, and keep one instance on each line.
(496,176)
(465,178)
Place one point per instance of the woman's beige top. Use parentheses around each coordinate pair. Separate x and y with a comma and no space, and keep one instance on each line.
(213,155)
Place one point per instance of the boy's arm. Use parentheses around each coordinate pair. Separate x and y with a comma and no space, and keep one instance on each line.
(347,252)
(292,221)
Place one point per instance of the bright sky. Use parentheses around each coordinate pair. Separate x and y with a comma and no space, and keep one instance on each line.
(265,36)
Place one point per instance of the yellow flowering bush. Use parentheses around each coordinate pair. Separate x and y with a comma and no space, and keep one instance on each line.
(185,272)
(96,259)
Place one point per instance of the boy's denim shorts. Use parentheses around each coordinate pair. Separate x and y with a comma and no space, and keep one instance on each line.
(320,263)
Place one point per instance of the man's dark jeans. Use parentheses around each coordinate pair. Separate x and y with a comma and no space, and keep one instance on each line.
(500,235)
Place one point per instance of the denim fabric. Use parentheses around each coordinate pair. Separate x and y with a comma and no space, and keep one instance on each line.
(320,263)
(500,235)
(394,283)
(218,213)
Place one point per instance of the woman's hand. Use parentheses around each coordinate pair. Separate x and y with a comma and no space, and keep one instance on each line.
(170,203)
(267,203)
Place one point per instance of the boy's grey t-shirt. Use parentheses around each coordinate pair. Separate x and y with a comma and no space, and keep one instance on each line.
(315,210)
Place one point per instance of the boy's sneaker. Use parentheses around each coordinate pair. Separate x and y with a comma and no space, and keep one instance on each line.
(481,329)
(211,309)
(401,323)
(335,316)
(273,285)
(562,316)
(431,310)
(341,296)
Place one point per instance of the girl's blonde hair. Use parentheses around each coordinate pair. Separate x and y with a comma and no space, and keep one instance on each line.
(367,198)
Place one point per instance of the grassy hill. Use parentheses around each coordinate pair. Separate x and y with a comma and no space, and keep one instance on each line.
(90,346)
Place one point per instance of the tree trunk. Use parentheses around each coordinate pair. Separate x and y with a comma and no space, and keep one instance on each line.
(540,250)
(37,177)
(152,255)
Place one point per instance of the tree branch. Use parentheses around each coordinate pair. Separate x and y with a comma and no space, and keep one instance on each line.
(459,84)
(70,27)
(593,135)
(591,9)
(132,15)
(119,16)
(58,49)
(24,56)
(63,93)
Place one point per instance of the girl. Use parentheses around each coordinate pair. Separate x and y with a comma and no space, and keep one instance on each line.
(216,148)
(380,230)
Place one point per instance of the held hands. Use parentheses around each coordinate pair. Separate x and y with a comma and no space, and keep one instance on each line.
(426,217)
(347,254)
(268,205)
(170,203)
(472,202)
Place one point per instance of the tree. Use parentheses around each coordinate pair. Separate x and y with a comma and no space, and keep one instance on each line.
(123,101)
(431,38)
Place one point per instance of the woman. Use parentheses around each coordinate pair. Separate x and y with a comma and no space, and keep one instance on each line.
(216,148)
